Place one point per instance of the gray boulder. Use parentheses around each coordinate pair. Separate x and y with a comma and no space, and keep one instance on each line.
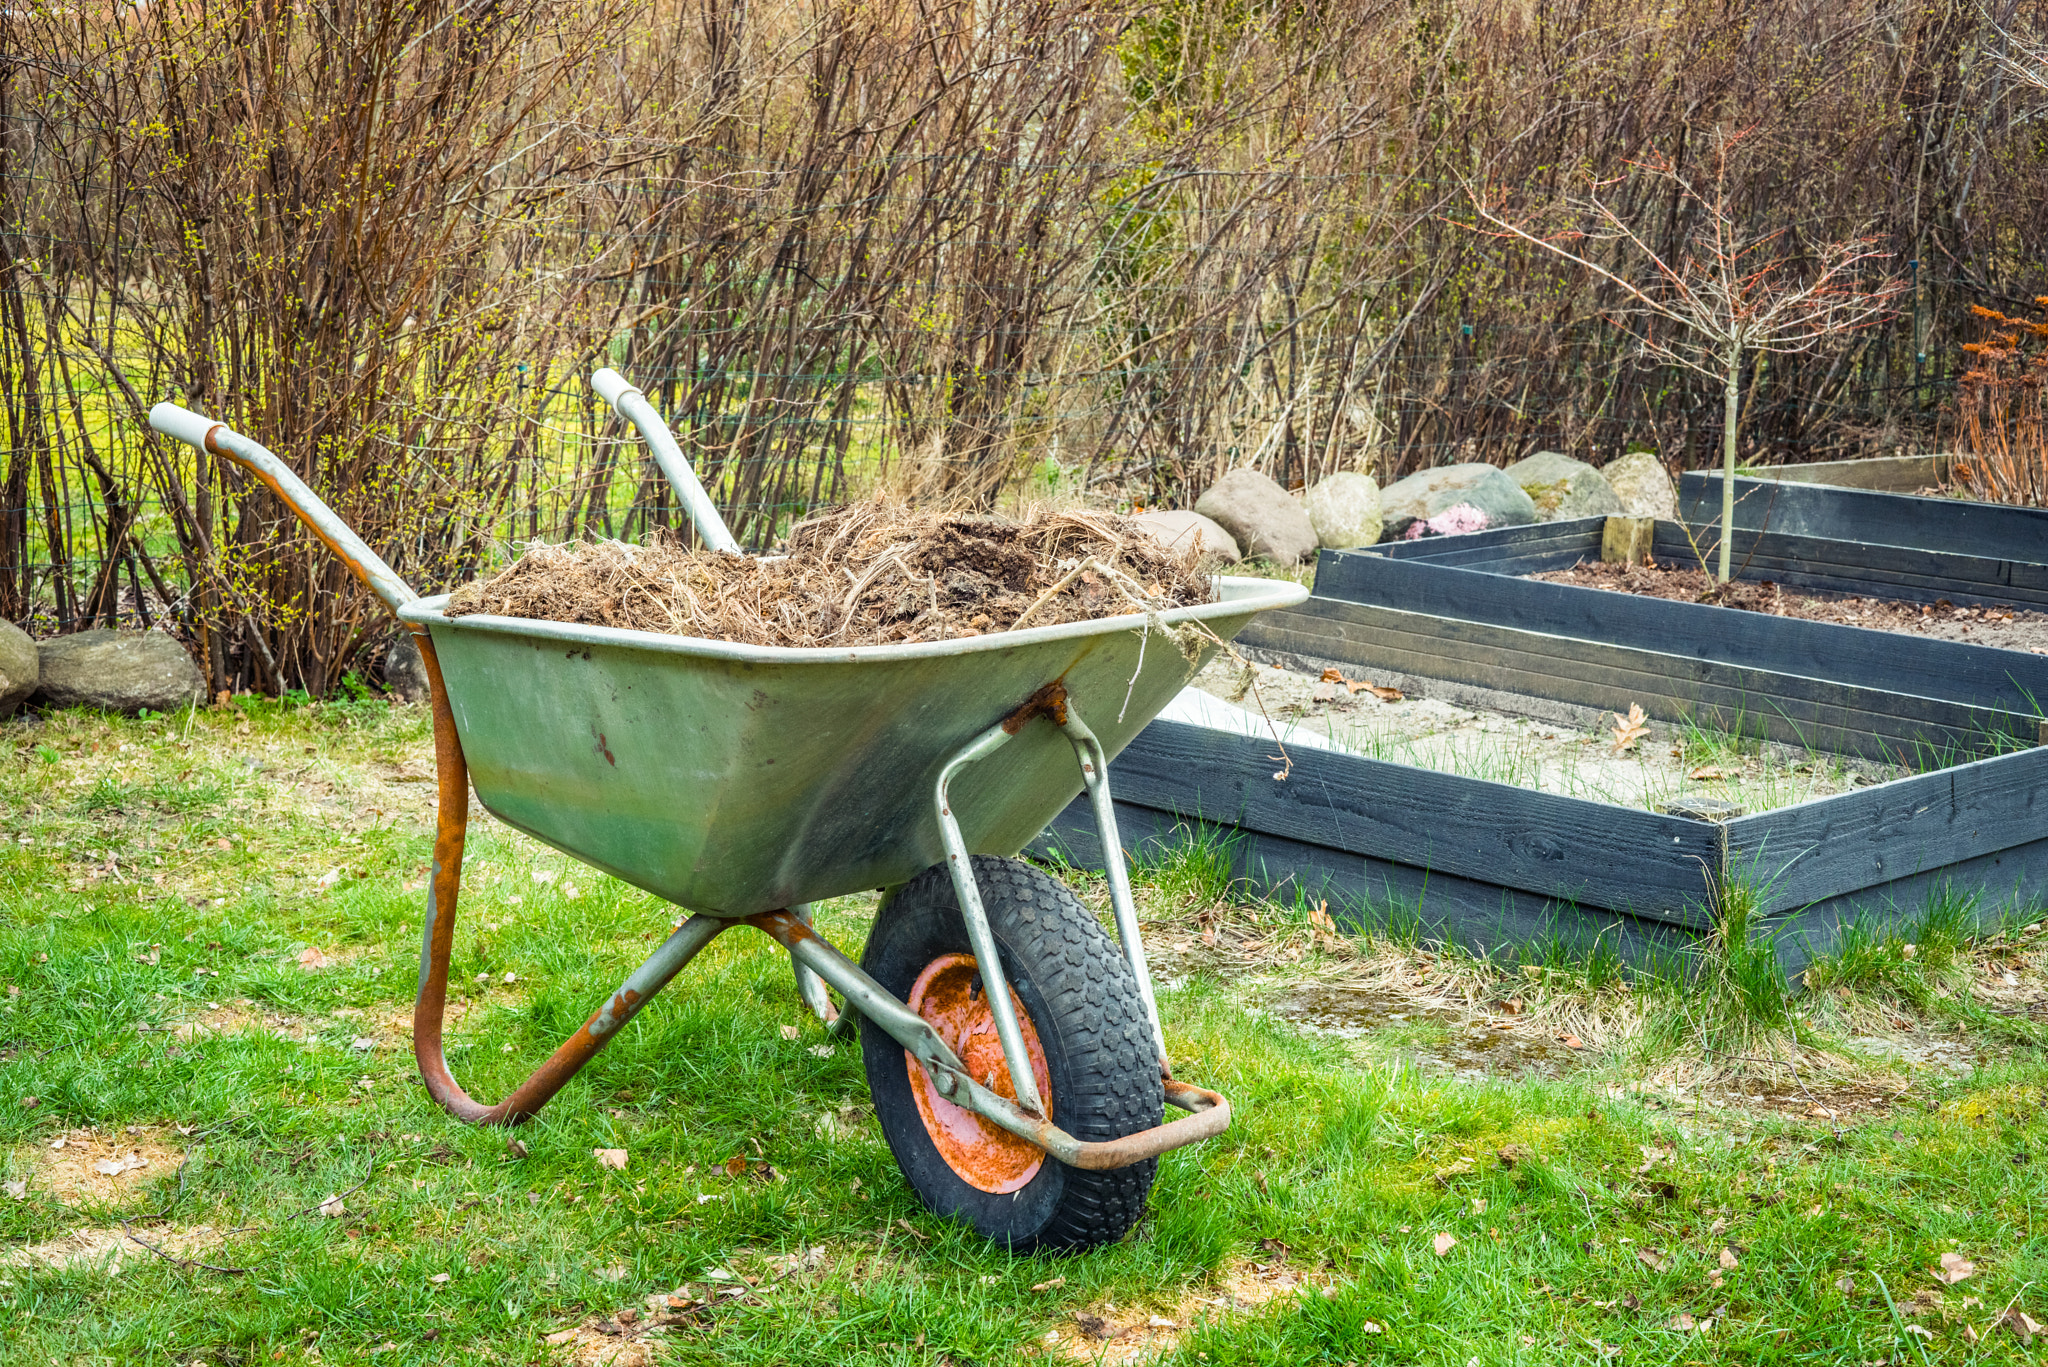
(1263,518)
(405,672)
(1642,484)
(1561,487)
(117,671)
(1178,530)
(18,669)
(1345,509)
(1426,493)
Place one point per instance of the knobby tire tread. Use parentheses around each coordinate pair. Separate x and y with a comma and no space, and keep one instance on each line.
(1106,1079)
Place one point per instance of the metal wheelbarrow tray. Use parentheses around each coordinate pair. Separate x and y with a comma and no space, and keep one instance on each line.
(745,782)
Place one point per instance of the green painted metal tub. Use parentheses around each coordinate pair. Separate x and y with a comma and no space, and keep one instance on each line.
(735,780)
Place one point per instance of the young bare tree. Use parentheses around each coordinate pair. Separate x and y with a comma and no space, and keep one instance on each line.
(1725,294)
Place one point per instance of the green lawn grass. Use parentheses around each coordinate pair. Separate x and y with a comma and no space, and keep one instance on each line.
(163,879)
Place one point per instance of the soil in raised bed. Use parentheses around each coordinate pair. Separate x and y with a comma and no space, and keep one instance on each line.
(1975,623)
(867,574)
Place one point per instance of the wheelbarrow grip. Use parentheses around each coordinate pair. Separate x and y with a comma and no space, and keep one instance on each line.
(221,440)
(632,405)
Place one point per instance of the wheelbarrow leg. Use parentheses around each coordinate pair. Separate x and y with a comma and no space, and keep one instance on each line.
(809,986)
(438,943)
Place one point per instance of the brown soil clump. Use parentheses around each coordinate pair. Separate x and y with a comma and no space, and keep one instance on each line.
(1975,624)
(861,575)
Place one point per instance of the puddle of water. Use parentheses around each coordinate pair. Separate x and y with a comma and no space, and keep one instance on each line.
(1465,1048)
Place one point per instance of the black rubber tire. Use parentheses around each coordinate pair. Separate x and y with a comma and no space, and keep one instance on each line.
(1083,1000)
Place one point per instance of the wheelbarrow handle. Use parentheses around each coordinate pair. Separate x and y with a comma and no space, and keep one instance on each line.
(221,440)
(632,405)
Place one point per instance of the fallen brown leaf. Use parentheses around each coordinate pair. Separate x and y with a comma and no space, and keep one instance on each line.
(1630,729)
(610,1158)
(1654,1259)
(1955,1268)
(1443,1243)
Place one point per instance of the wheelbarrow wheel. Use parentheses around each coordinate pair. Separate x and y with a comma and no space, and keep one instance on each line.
(1084,1025)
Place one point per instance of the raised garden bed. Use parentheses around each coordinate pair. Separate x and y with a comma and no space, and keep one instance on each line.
(1993,531)
(1499,867)
(1505,870)
(1458,610)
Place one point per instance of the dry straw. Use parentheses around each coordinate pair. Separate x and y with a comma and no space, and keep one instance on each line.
(867,574)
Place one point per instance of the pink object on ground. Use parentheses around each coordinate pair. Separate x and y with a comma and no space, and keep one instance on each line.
(1459,517)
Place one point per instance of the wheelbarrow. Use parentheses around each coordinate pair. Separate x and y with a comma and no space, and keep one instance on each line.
(1013,1049)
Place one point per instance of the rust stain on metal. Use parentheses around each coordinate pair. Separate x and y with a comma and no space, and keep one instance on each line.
(783,927)
(1050,701)
(949,996)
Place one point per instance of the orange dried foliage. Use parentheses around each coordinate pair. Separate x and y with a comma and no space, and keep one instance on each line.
(2001,427)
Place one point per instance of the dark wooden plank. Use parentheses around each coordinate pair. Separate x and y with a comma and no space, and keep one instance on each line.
(1979,676)
(1817,714)
(1588,853)
(1388,898)
(1888,474)
(1832,846)
(1956,526)
(1506,550)
(1854,568)
(2004,884)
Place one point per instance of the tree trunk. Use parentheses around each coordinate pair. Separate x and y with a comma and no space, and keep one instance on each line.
(1731,412)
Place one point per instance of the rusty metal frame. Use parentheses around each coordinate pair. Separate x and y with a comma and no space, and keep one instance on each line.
(1210,1113)
(816,961)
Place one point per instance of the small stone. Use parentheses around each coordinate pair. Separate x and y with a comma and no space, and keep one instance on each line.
(1564,488)
(1642,484)
(1263,518)
(1179,530)
(1426,493)
(1345,510)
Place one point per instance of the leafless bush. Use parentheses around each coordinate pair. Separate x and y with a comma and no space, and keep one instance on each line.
(940,248)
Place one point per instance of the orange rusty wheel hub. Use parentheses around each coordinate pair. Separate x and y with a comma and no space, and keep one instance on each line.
(950,997)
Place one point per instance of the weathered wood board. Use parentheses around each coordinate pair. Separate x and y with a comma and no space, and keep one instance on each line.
(1957,526)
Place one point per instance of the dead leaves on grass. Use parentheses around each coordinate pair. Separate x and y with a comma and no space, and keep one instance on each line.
(1954,1268)
(86,1167)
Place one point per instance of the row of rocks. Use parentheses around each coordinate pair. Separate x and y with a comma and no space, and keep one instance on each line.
(118,671)
(1246,514)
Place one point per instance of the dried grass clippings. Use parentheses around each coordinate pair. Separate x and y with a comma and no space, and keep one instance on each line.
(865,574)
